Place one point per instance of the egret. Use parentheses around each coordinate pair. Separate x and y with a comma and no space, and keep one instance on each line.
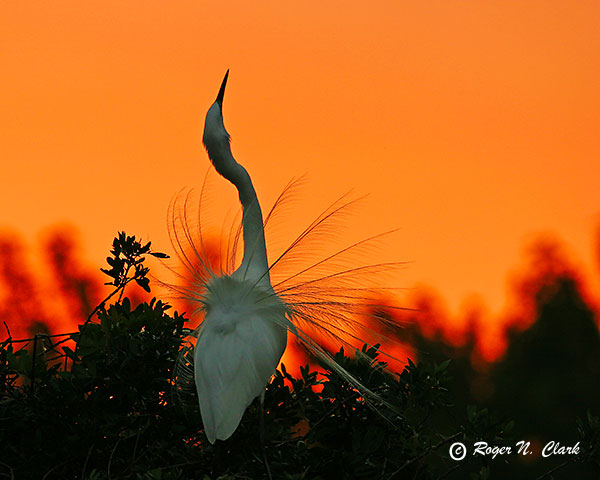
(247,318)
(243,334)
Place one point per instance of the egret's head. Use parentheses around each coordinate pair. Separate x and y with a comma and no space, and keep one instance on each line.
(216,138)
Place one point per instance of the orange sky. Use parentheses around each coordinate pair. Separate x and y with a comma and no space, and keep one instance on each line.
(472,125)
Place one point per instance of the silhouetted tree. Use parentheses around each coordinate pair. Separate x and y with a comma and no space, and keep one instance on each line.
(550,374)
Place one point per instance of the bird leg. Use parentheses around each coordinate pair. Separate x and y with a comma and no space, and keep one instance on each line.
(261,433)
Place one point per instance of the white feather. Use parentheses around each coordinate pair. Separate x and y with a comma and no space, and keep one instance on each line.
(239,345)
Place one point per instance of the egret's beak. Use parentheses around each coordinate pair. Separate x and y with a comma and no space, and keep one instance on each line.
(222,91)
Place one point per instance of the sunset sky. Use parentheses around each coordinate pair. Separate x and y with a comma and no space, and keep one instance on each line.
(472,125)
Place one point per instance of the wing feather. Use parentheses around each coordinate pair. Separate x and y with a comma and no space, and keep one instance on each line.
(233,361)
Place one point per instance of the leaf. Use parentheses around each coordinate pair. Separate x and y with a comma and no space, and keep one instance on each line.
(144,283)
(442,366)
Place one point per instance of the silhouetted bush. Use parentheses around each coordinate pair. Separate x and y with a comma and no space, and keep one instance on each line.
(107,401)
(109,408)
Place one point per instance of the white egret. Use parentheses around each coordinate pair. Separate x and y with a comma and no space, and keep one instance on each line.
(243,334)
(246,318)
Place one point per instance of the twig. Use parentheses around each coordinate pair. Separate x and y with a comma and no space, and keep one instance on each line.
(176,465)
(126,282)
(54,468)
(336,407)
(135,447)
(32,376)
(7,331)
(52,347)
(102,303)
(11,470)
(449,471)
(45,335)
(111,457)
(558,467)
(383,467)
(423,453)
(87,457)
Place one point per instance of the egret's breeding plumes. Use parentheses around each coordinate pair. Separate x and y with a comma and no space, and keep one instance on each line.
(249,309)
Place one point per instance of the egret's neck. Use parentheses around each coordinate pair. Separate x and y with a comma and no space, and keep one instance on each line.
(254,264)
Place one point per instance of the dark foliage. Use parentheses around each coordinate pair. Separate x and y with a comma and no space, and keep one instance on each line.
(127,253)
(115,414)
(109,407)
(548,382)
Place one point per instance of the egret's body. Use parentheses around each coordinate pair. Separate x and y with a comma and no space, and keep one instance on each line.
(238,348)
(243,335)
